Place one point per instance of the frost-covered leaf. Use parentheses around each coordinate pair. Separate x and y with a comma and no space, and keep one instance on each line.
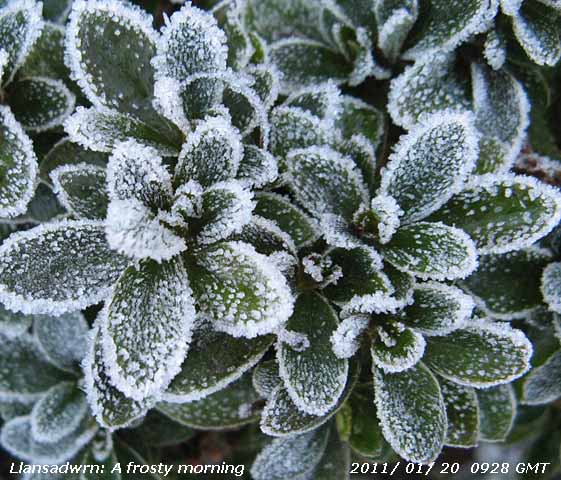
(507,286)
(46,58)
(3,62)
(265,378)
(430,85)
(543,384)
(26,372)
(323,100)
(56,10)
(503,213)
(397,350)
(117,78)
(447,25)
(58,413)
(365,435)
(497,409)
(225,208)
(212,153)
(315,378)
(495,49)
(19,166)
(345,340)
(430,164)
(304,62)
(239,290)
(266,82)
(480,354)
(437,309)
(58,267)
(281,417)
(102,130)
(190,44)
(325,182)
(80,189)
(292,457)
(214,360)
(16,438)
(462,411)
(293,128)
(111,408)
(62,338)
(411,412)
(13,324)
(10,409)
(362,280)
(154,302)
(501,114)
(245,107)
(358,118)
(20,27)
(301,228)
(536,27)
(65,153)
(395,20)
(158,430)
(551,286)
(40,103)
(257,167)
(431,250)
(231,407)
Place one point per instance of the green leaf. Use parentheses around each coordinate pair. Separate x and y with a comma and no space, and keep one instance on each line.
(502,116)
(26,372)
(257,167)
(281,417)
(301,228)
(398,350)
(437,309)
(158,430)
(80,189)
(212,153)
(543,384)
(362,283)
(101,130)
(153,300)
(245,108)
(394,21)
(231,407)
(411,401)
(121,79)
(293,128)
(66,153)
(111,408)
(462,411)
(431,250)
(503,213)
(20,27)
(430,164)
(58,413)
(481,354)
(19,166)
(58,267)
(551,286)
(46,58)
(497,409)
(291,457)
(40,103)
(359,118)
(314,377)
(13,324)
(431,85)
(304,62)
(325,182)
(366,437)
(536,27)
(62,338)
(507,286)
(16,438)
(265,378)
(446,25)
(214,360)
(239,290)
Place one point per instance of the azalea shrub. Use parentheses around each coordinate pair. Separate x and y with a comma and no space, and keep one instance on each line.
(289,235)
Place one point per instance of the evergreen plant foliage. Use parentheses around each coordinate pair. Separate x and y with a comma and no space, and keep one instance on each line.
(314,233)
